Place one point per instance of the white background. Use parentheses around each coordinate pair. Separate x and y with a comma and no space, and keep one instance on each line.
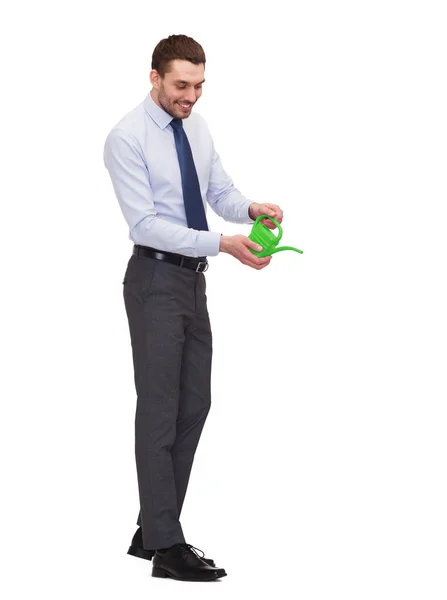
(321,471)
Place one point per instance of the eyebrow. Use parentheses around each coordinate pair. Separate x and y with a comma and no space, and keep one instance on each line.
(182,81)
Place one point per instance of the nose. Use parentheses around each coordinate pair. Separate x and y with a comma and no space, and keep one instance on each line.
(190,96)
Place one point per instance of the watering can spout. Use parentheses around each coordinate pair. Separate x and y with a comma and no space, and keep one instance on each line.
(286,248)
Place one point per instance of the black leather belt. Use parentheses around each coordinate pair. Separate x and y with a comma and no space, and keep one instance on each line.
(176,259)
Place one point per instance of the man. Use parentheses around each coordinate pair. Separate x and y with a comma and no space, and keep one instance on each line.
(164,170)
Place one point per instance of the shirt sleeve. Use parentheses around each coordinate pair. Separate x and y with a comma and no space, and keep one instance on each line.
(127,168)
(226,200)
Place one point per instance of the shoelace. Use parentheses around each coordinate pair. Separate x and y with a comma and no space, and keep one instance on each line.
(189,547)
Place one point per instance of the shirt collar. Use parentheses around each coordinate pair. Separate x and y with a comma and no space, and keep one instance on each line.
(159,116)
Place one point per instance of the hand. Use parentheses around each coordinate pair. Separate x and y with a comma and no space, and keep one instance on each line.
(272,210)
(238,246)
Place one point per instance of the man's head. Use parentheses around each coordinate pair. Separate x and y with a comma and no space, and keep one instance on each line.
(178,68)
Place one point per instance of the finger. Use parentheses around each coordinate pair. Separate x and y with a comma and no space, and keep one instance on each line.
(279,214)
(266,210)
(272,225)
(266,261)
(250,263)
(253,266)
(274,207)
(254,260)
(252,244)
(257,262)
(259,267)
(268,223)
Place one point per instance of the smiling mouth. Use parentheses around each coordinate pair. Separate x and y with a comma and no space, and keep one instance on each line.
(186,106)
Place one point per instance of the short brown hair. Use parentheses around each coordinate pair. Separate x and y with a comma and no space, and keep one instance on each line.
(174,47)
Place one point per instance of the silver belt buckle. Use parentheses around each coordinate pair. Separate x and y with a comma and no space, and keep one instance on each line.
(202,262)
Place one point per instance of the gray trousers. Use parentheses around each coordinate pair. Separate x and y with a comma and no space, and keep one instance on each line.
(172,351)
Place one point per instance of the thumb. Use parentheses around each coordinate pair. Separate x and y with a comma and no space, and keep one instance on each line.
(266,210)
(251,244)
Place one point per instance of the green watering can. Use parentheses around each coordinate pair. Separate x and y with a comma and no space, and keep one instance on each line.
(264,236)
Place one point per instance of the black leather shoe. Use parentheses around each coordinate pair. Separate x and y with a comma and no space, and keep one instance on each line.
(181,562)
(136,549)
(136,546)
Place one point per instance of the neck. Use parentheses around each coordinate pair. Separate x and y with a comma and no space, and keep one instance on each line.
(154,96)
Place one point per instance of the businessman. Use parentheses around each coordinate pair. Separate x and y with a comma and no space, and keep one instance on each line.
(165,173)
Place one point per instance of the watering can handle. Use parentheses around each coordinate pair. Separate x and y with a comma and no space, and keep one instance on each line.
(279,236)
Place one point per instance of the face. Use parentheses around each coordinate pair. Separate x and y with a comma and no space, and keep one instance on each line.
(180,89)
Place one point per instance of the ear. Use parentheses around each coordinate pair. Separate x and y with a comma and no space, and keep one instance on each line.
(154,77)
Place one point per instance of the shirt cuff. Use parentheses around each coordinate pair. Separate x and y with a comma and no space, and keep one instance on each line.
(248,219)
(208,243)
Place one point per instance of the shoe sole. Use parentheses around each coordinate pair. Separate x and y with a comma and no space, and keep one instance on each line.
(140,553)
(158,572)
(148,555)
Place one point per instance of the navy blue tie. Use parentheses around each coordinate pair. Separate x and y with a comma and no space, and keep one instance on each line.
(192,198)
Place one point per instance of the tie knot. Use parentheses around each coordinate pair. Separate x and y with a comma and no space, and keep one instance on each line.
(177,123)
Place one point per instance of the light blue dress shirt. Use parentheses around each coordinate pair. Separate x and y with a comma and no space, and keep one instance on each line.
(141,158)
